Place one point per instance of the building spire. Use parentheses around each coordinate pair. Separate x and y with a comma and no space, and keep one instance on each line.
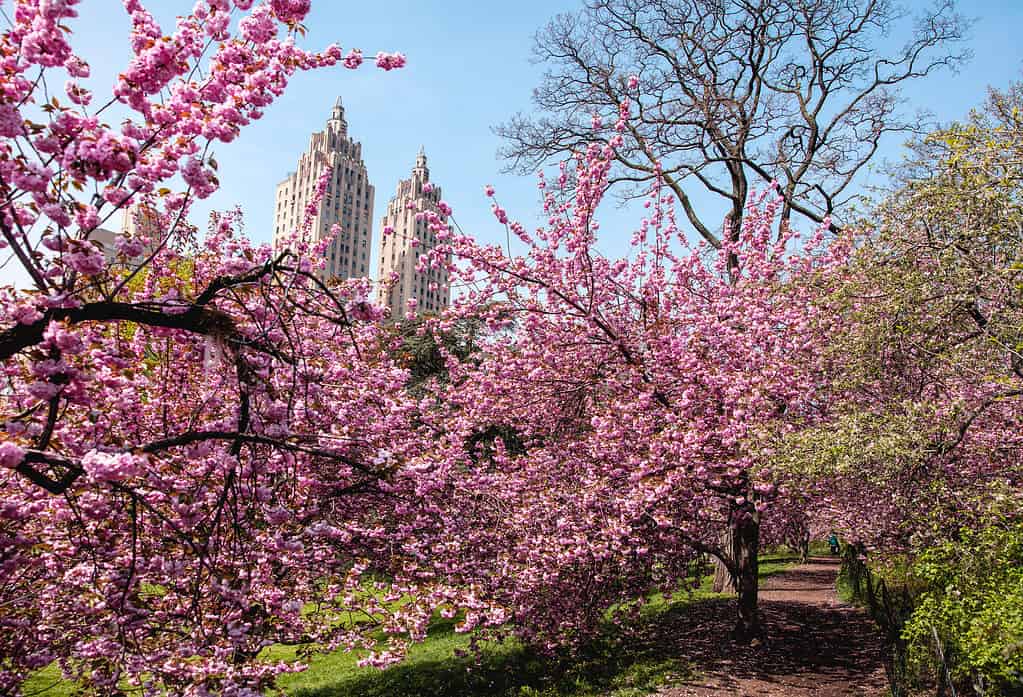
(421,158)
(338,113)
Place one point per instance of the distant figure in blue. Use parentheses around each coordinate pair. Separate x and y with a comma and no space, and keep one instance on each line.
(833,543)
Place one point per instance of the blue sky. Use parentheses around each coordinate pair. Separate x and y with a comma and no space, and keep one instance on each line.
(468,70)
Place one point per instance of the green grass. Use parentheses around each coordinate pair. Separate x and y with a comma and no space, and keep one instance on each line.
(615,664)
(775,563)
(48,682)
(444,665)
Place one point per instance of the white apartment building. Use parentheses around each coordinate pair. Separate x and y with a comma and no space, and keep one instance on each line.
(400,250)
(348,200)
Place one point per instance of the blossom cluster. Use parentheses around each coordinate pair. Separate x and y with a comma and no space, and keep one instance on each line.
(179,408)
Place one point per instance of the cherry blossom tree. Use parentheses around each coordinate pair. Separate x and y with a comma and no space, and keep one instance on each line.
(612,429)
(181,413)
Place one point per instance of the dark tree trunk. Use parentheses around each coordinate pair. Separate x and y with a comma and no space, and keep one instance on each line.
(745,548)
(738,571)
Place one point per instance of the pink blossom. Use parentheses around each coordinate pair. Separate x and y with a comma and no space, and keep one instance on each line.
(76,67)
(390,61)
(32,176)
(364,311)
(77,94)
(129,247)
(86,259)
(26,314)
(11,123)
(197,176)
(11,455)
(259,26)
(87,217)
(43,390)
(112,467)
(56,213)
(353,59)
(60,337)
(290,11)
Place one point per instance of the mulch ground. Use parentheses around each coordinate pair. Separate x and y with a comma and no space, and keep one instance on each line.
(816,646)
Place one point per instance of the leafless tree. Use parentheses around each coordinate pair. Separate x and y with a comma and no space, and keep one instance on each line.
(734,94)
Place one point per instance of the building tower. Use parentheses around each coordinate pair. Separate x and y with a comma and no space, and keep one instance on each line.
(400,250)
(348,200)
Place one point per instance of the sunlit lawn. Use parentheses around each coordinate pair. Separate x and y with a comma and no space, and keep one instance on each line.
(444,666)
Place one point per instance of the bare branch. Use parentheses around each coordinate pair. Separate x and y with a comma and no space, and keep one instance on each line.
(733,91)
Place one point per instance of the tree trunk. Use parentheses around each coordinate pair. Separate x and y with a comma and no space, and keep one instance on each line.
(723,579)
(745,548)
(741,543)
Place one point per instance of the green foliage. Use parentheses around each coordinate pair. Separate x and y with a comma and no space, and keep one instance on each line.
(950,240)
(873,445)
(971,613)
(482,444)
(425,351)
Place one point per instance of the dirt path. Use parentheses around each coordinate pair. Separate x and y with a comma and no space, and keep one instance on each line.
(817,645)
